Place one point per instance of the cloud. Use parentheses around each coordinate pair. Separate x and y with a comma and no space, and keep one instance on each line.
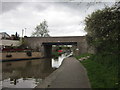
(64,19)
(7,6)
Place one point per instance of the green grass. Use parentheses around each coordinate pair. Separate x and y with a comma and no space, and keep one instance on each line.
(101,75)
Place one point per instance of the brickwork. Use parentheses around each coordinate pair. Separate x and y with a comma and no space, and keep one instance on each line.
(36,42)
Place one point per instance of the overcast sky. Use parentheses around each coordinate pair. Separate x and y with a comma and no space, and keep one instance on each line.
(63,18)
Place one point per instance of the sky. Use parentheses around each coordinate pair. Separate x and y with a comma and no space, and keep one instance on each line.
(64,18)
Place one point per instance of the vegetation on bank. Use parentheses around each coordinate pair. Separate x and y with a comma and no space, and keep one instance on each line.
(101,74)
(57,51)
(56,54)
(102,28)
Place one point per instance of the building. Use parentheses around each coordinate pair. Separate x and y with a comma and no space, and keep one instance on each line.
(4,35)
(6,40)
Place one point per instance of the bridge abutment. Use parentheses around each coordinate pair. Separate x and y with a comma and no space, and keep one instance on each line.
(47,50)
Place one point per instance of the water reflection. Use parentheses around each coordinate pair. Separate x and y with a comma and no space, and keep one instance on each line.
(27,74)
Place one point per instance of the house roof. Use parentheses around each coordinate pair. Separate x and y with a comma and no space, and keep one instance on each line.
(4,34)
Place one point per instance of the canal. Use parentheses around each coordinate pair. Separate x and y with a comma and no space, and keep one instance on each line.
(28,73)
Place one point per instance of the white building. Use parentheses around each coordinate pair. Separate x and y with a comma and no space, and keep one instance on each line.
(5,40)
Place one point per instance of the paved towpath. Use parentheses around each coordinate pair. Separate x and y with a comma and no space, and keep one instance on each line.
(71,74)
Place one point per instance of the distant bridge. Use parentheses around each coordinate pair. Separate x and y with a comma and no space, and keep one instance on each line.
(45,43)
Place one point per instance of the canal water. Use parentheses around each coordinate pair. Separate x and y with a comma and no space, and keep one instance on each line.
(28,73)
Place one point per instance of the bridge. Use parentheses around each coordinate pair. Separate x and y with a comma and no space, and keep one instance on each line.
(44,44)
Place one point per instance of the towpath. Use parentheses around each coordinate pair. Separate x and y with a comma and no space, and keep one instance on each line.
(71,74)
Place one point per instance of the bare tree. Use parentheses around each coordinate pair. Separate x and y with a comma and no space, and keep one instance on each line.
(41,30)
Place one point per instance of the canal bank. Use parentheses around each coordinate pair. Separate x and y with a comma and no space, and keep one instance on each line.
(71,74)
(17,56)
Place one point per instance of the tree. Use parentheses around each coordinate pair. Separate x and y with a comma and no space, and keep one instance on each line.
(41,30)
(102,27)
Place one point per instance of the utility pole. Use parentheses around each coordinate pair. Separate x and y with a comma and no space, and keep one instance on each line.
(25,31)
(22,36)
(22,32)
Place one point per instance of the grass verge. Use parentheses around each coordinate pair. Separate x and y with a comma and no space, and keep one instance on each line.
(101,76)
